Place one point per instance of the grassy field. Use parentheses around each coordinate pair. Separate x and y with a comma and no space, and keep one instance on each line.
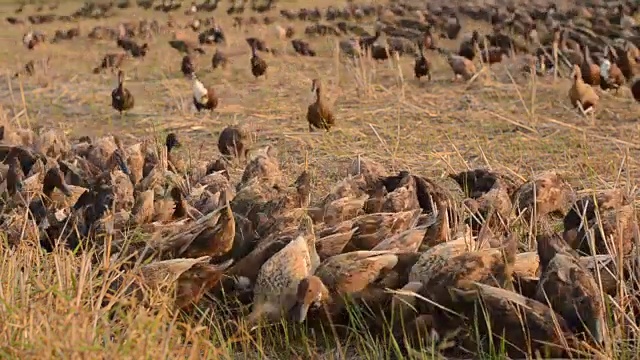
(50,306)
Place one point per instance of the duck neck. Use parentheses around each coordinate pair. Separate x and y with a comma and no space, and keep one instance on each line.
(318,95)
(47,190)
(313,254)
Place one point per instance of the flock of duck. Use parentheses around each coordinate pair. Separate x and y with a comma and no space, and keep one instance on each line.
(418,256)
(262,243)
(598,43)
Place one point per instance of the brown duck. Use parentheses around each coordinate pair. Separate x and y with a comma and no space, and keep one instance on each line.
(233,141)
(203,97)
(121,98)
(258,65)
(319,115)
(345,274)
(569,287)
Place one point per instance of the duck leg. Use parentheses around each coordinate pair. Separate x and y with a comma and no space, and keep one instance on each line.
(581,108)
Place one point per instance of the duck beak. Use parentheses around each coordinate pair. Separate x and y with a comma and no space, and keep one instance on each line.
(224,266)
(595,328)
(299,312)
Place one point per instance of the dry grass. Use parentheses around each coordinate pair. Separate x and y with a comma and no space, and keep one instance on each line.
(51,305)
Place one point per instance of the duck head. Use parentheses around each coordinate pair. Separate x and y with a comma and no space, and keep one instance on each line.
(311,293)
(118,158)
(54,178)
(172,142)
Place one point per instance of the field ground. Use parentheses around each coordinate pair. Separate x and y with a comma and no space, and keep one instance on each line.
(384,113)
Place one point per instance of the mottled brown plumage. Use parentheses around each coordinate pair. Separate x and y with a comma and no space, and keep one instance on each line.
(215,239)
(143,209)
(609,213)
(513,323)
(258,65)
(195,282)
(187,66)
(278,278)
(234,141)
(568,287)
(319,115)
(547,194)
(371,229)
(219,59)
(121,98)
(341,275)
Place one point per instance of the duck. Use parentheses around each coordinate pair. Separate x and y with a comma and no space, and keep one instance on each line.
(319,115)
(606,213)
(215,239)
(302,47)
(143,209)
(171,143)
(233,141)
(453,26)
(590,71)
(421,67)
(493,55)
(278,279)
(568,287)
(547,194)
(499,313)
(582,95)
(187,66)
(372,229)
(185,46)
(121,99)
(635,89)
(460,65)
(53,179)
(258,65)
(468,47)
(110,61)
(611,77)
(203,98)
(194,283)
(188,275)
(351,274)
(219,59)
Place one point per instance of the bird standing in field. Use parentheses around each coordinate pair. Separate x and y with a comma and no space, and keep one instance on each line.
(187,66)
(319,115)
(203,97)
(258,65)
(421,67)
(121,98)
(582,95)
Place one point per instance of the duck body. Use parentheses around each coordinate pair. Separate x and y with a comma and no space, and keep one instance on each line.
(319,115)
(187,66)
(258,65)
(121,98)
(203,98)
(421,67)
